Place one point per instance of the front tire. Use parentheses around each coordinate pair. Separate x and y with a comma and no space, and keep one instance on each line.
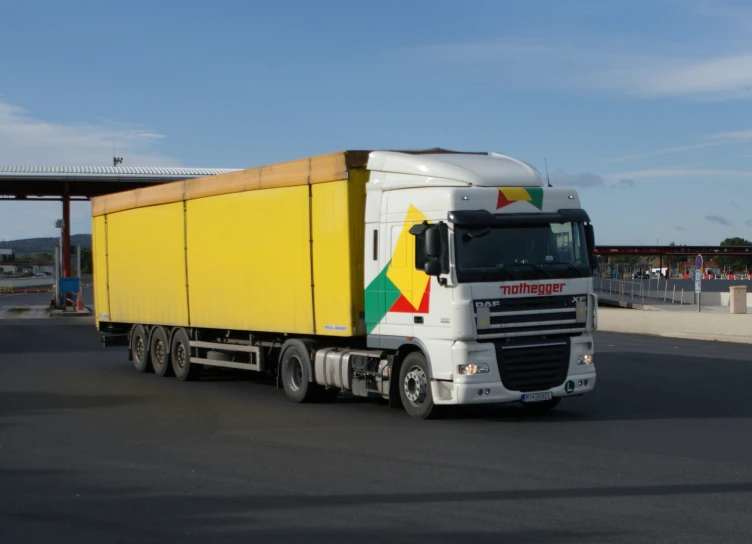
(415,387)
(160,352)
(180,355)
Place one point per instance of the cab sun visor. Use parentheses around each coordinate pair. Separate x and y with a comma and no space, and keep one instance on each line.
(484,218)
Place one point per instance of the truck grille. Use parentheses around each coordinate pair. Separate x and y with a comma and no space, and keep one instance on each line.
(529,315)
(533,366)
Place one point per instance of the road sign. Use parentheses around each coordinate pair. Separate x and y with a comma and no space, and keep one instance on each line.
(698,281)
(698,262)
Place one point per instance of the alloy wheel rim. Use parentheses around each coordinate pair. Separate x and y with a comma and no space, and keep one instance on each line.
(416,386)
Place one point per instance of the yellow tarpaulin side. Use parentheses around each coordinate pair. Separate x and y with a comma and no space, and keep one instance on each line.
(249,261)
(145,253)
(337,247)
(99,245)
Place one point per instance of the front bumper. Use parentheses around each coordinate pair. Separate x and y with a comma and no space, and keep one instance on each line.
(496,393)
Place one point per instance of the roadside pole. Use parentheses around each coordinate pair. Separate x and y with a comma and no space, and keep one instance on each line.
(80,282)
(698,279)
(57,277)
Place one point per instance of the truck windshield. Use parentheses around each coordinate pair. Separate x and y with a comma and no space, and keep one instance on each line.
(556,250)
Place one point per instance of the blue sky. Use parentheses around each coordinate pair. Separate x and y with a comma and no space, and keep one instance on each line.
(644,106)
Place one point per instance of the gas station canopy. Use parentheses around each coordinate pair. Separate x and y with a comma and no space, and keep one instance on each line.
(84,182)
(72,183)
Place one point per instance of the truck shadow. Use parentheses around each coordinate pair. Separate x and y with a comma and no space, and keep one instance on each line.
(631,387)
(636,386)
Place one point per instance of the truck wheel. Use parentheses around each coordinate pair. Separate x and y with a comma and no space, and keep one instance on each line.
(140,349)
(296,375)
(180,352)
(160,352)
(415,387)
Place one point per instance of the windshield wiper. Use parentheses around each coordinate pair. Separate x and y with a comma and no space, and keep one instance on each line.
(570,265)
(507,272)
(532,265)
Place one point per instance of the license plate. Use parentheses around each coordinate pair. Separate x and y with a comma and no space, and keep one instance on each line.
(537,397)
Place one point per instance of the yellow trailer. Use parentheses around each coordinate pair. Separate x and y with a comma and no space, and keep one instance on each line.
(275,249)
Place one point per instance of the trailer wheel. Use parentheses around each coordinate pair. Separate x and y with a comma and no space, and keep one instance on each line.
(160,352)
(180,352)
(295,372)
(140,349)
(415,387)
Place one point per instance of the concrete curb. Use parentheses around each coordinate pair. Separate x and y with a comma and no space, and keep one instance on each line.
(63,314)
(710,337)
(25,292)
(619,304)
(734,328)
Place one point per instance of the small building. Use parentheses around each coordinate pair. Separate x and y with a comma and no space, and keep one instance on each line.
(5,254)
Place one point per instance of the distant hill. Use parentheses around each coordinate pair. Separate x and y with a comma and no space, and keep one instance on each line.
(44,245)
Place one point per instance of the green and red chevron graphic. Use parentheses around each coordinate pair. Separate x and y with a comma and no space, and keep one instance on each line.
(399,289)
(510,195)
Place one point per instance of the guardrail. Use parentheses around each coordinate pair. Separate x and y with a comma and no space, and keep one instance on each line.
(634,290)
(730,277)
(15,285)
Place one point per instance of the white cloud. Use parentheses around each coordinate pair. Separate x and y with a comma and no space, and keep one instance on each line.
(667,173)
(527,64)
(664,151)
(584,179)
(740,136)
(718,139)
(721,78)
(737,17)
(27,140)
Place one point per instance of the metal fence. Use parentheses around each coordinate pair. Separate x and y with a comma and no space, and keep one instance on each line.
(628,290)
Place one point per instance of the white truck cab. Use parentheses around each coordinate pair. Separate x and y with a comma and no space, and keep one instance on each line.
(483,275)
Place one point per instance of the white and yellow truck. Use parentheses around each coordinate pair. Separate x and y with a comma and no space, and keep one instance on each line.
(426,278)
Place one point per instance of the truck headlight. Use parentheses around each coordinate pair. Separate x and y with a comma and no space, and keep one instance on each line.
(585,360)
(471,369)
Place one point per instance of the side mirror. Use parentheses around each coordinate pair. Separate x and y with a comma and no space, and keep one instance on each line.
(433,242)
(432,268)
(590,238)
(590,241)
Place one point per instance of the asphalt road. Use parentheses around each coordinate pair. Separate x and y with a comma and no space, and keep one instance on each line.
(91,451)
